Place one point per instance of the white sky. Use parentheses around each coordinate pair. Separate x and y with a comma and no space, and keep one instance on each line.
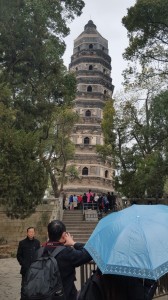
(107,16)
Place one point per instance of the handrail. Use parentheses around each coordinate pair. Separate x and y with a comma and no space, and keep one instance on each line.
(129,201)
(162,286)
(87,269)
(89,205)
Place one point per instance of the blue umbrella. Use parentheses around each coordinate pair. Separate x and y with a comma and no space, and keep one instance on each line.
(132,242)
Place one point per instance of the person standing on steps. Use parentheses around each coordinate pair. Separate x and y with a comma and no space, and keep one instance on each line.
(26,251)
(89,195)
(84,200)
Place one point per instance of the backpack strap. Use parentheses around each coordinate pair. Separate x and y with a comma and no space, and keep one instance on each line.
(57,250)
(39,252)
(53,254)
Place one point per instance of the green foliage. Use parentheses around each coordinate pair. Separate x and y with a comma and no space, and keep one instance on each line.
(108,131)
(166,187)
(22,177)
(108,122)
(146,179)
(104,150)
(58,149)
(141,145)
(71,172)
(35,86)
(142,126)
(147,26)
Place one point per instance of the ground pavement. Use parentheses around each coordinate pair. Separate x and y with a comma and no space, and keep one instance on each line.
(10,279)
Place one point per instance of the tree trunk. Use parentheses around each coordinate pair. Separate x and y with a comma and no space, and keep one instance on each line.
(54,184)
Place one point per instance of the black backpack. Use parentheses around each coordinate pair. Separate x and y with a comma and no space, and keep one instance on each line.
(43,280)
(92,288)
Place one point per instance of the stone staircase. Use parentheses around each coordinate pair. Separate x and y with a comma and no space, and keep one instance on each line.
(77,226)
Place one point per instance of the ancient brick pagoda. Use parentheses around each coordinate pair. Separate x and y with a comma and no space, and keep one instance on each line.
(92,65)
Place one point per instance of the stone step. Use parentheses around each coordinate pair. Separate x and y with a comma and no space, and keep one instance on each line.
(81,240)
(72,213)
(80,227)
(77,222)
(79,234)
(73,220)
(75,211)
(67,218)
(77,229)
(73,223)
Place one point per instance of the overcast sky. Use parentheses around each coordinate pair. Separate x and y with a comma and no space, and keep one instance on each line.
(107,16)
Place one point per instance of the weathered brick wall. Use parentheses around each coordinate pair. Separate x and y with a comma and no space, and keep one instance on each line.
(12,230)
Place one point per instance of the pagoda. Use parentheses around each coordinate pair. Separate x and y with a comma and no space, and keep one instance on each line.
(92,65)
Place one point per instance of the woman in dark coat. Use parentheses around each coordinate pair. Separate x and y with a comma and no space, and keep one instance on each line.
(128,288)
(116,287)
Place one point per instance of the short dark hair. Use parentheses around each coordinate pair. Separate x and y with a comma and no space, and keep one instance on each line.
(31,227)
(55,230)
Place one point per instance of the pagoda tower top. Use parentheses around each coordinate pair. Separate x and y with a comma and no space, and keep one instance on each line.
(90,26)
(91,34)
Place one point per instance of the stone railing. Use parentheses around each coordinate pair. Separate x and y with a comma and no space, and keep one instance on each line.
(129,201)
(57,212)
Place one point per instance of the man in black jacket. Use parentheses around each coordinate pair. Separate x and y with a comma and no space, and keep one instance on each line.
(74,255)
(26,251)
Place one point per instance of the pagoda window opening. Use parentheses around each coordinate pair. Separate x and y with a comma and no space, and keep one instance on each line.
(76,68)
(86,141)
(78,48)
(106,174)
(89,88)
(88,113)
(105,92)
(91,46)
(90,67)
(85,171)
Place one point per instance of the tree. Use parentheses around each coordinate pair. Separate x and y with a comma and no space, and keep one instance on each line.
(140,146)
(58,149)
(31,57)
(22,177)
(141,121)
(35,85)
(107,125)
(147,26)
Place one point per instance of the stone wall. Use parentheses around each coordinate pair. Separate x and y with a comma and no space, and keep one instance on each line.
(13,230)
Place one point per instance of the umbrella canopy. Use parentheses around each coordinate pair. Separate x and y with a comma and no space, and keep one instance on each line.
(132,242)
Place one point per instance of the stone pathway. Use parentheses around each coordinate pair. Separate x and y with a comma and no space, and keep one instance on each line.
(10,279)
